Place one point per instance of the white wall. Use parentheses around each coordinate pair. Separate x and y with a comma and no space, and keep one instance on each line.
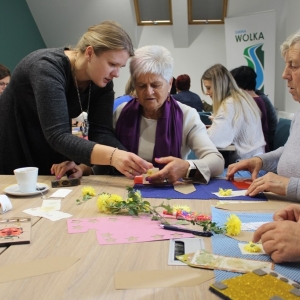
(62,22)
(207,45)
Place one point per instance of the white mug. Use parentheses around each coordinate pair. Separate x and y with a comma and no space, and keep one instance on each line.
(27,179)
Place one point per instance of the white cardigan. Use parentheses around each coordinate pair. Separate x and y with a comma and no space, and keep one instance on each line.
(245,132)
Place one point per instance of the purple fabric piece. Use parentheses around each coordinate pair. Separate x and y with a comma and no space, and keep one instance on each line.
(203,191)
(168,137)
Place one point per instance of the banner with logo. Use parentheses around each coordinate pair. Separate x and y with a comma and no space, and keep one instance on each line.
(250,41)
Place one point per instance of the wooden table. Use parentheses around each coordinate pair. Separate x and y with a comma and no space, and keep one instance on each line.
(92,277)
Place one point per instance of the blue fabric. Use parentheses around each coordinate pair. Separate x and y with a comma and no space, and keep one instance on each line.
(223,245)
(121,100)
(203,192)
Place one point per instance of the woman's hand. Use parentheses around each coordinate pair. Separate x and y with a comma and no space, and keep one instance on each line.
(270,182)
(129,164)
(281,240)
(253,165)
(68,168)
(175,169)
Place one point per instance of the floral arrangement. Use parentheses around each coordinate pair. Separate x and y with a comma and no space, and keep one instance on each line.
(134,205)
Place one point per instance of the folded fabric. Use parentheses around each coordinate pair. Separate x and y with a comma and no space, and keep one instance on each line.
(203,191)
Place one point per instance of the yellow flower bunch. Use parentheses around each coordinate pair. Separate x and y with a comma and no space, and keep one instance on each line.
(233,225)
(106,200)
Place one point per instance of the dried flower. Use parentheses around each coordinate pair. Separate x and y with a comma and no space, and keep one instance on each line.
(87,193)
(227,192)
(252,247)
(233,225)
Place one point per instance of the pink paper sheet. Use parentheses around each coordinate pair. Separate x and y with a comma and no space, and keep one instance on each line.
(124,229)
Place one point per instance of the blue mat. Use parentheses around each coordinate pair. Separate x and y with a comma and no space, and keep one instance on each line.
(203,191)
(223,245)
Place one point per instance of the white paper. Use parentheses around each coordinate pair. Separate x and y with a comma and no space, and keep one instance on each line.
(251,225)
(61,193)
(5,204)
(51,215)
(233,194)
(241,246)
(51,205)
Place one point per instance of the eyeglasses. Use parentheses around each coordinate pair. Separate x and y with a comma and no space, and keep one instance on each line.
(3,84)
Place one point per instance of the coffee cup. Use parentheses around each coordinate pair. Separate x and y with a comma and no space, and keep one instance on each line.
(27,179)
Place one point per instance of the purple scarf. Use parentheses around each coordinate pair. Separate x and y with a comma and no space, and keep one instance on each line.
(168,138)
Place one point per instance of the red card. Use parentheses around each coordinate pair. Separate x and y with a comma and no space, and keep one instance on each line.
(242,184)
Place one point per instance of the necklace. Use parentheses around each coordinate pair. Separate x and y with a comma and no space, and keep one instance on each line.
(84,128)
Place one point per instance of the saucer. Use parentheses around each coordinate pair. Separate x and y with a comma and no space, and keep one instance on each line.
(14,190)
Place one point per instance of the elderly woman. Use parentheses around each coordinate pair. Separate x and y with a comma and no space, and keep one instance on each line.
(280,238)
(161,130)
(236,117)
(4,78)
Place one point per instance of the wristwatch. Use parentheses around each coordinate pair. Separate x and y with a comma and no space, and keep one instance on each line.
(191,170)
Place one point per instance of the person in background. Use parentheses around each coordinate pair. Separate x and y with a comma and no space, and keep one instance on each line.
(236,116)
(245,78)
(184,95)
(161,130)
(206,106)
(272,117)
(129,94)
(173,88)
(282,164)
(4,78)
(49,87)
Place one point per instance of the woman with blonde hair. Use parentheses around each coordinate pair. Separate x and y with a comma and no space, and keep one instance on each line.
(236,116)
(49,87)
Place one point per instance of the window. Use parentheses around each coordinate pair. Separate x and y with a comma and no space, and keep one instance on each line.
(207,11)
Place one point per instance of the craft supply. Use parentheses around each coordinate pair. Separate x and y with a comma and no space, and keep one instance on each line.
(262,284)
(5,204)
(180,229)
(65,182)
(15,231)
(182,246)
(206,260)
(117,229)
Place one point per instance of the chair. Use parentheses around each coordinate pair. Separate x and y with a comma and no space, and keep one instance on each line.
(204,116)
(282,132)
(192,155)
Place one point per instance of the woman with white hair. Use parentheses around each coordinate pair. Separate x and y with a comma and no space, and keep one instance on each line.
(161,130)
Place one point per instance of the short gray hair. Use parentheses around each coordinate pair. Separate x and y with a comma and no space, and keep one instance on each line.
(289,42)
(152,59)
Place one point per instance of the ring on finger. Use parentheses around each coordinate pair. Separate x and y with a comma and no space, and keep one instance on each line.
(166,180)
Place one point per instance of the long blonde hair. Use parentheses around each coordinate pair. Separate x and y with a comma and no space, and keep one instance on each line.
(224,87)
(108,35)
